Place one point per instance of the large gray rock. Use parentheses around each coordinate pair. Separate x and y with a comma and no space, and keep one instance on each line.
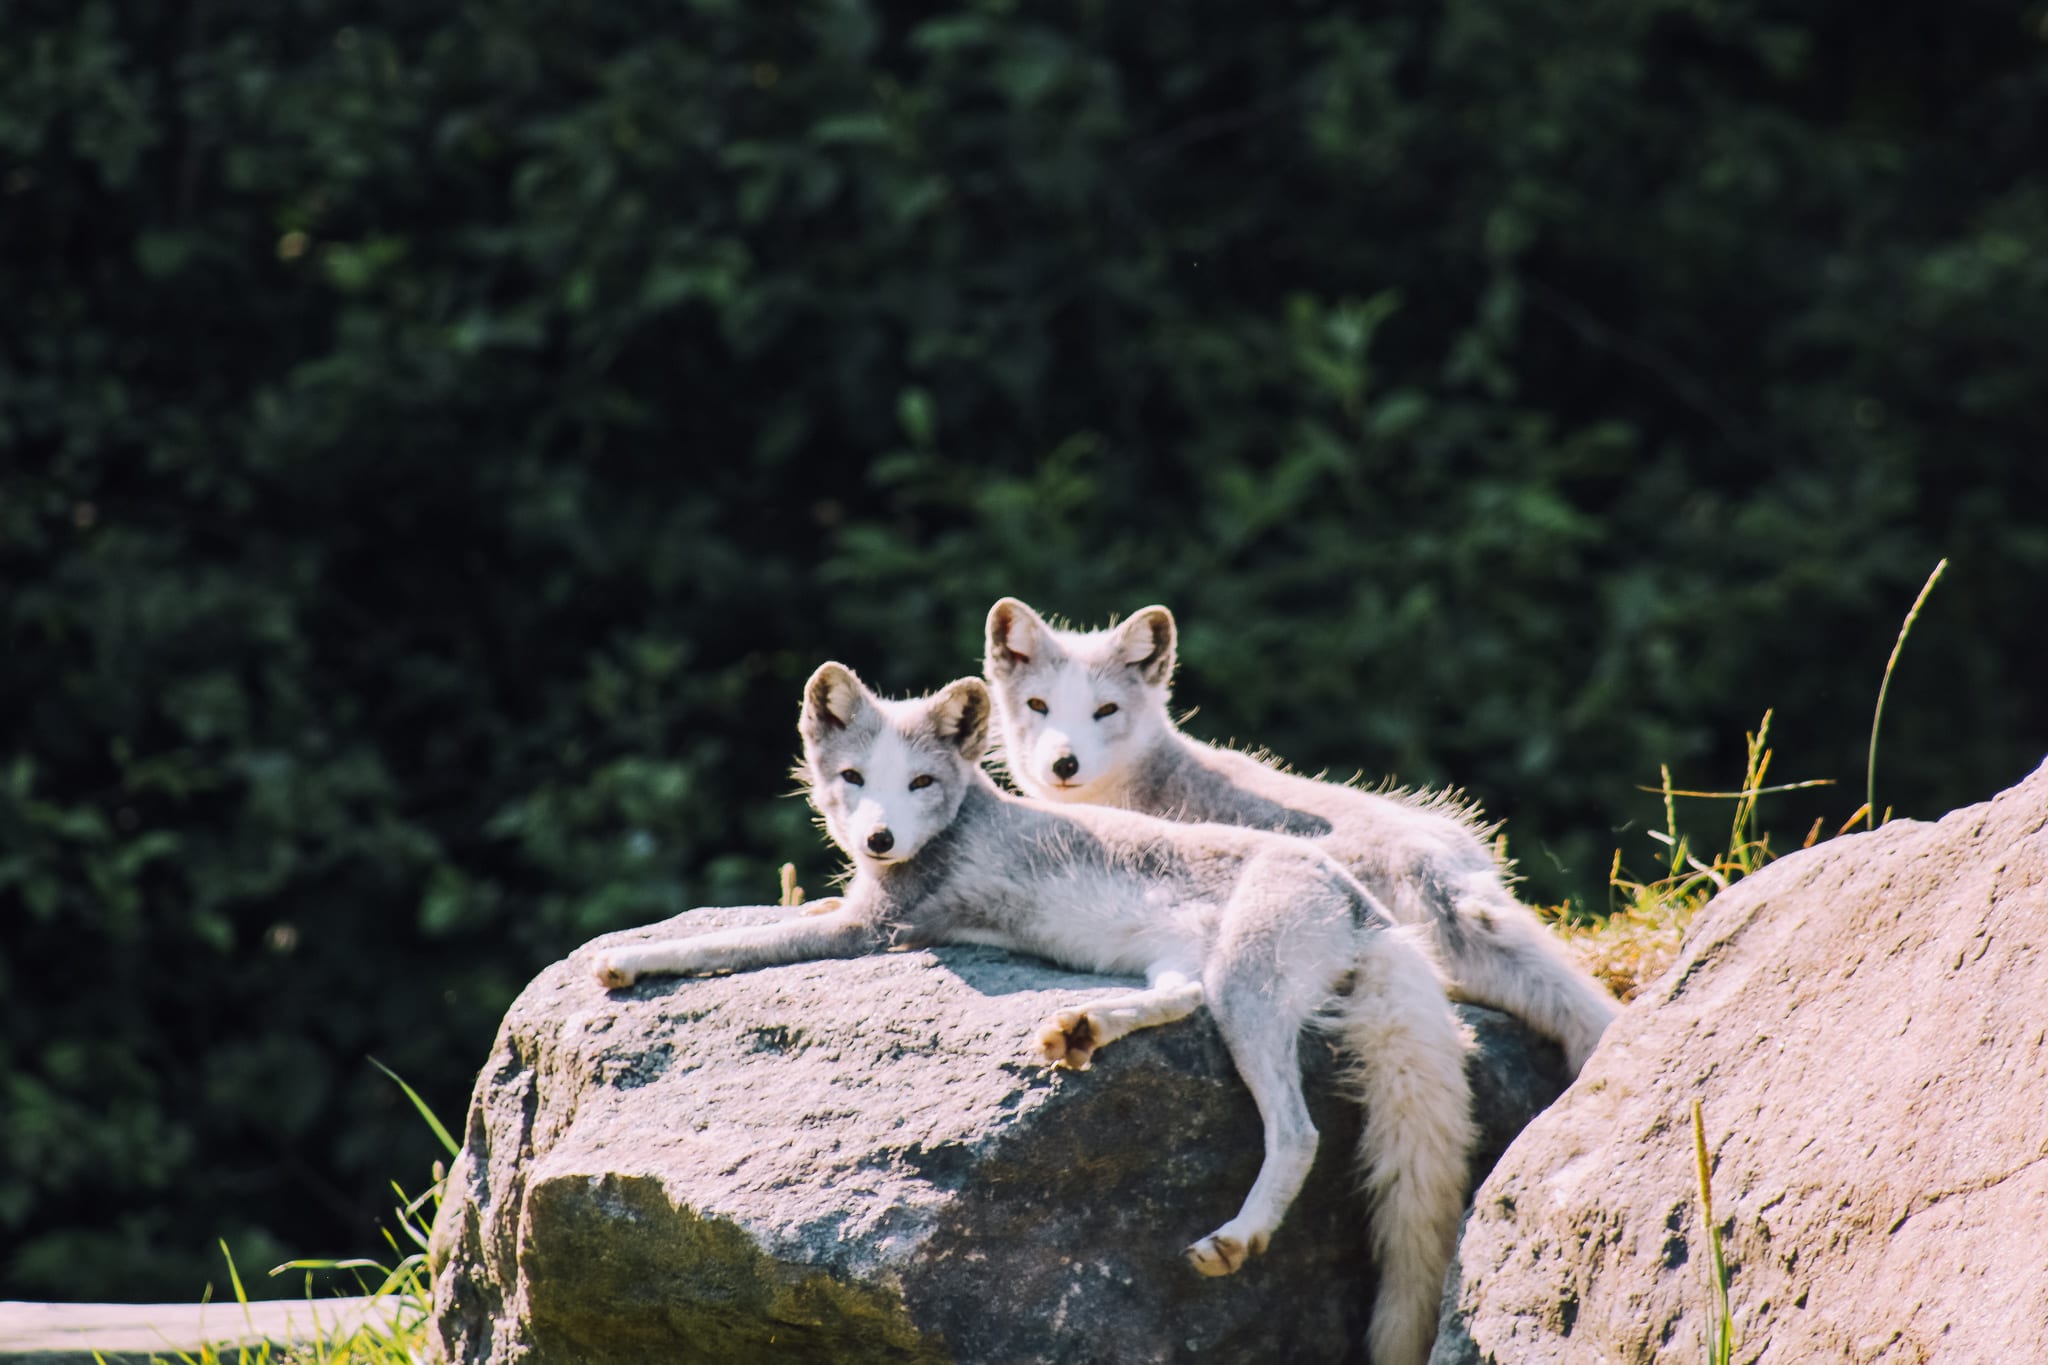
(856,1160)
(1867,1024)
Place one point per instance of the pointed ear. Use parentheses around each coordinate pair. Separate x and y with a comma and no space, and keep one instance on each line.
(1016,635)
(832,698)
(960,714)
(1146,643)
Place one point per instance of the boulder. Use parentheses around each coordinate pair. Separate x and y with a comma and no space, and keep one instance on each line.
(1866,1023)
(857,1160)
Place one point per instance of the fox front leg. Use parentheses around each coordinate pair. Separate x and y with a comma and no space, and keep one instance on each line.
(805,938)
(1070,1038)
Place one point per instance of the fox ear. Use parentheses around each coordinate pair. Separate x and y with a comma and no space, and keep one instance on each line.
(1016,634)
(1146,642)
(960,717)
(832,698)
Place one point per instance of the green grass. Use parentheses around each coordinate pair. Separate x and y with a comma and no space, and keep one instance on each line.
(405,1286)
(407,1280)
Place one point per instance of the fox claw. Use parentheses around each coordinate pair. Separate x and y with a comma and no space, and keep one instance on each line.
(1067,1039)
(1219,1254)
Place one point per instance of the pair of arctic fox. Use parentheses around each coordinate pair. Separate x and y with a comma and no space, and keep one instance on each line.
(1214,904)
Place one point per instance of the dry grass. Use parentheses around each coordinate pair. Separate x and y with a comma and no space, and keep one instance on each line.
(1648,916)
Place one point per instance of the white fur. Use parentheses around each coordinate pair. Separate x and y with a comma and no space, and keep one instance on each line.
(1266,931)
(898,786)
(1400,1069)
(1425,857)
(1072,677)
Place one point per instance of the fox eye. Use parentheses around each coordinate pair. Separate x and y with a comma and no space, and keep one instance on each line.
(1107,708)
(1036,705)
(920,782)
(853,777)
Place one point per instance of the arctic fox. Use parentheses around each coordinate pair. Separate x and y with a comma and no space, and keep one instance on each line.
(1083,718)
(1266,931)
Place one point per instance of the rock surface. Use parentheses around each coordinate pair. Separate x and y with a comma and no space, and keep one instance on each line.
(1867,1025)
(856,1160)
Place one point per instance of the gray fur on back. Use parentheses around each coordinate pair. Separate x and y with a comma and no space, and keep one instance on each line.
(1083,718)
(1407,846)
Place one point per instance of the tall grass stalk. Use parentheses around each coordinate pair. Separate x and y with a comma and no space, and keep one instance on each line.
(1720,1341)
(448,1143)
(1870,773)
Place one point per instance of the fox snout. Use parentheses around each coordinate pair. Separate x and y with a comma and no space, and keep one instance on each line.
(1058,758)
(881,840)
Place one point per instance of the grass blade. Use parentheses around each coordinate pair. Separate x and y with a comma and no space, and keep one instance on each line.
(421,1105)
(1870,774)
(1671,819)
(1745,792)
(234,1276)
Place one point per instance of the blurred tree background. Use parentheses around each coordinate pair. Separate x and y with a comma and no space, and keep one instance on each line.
(436,442)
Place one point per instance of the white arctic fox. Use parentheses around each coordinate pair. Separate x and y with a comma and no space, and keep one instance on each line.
(1083,718)
(1266,931)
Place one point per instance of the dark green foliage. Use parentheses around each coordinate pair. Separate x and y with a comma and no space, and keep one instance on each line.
(435,442)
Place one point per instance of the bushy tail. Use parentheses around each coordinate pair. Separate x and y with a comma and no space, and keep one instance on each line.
(1498,953)
(1406,1053)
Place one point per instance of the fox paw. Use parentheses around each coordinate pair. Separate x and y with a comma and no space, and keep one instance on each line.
(1221,1254)
(1067,1039)
(612,974)
(824,906)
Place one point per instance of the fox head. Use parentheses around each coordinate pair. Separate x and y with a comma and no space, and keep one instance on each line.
(1077,708)
(888,775)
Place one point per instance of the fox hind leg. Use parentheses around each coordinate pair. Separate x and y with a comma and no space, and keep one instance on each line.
(1286,938)
(1498,953)
(1266,1049)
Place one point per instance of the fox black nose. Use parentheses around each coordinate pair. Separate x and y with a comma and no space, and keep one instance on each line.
(1065,766)
(881,841)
